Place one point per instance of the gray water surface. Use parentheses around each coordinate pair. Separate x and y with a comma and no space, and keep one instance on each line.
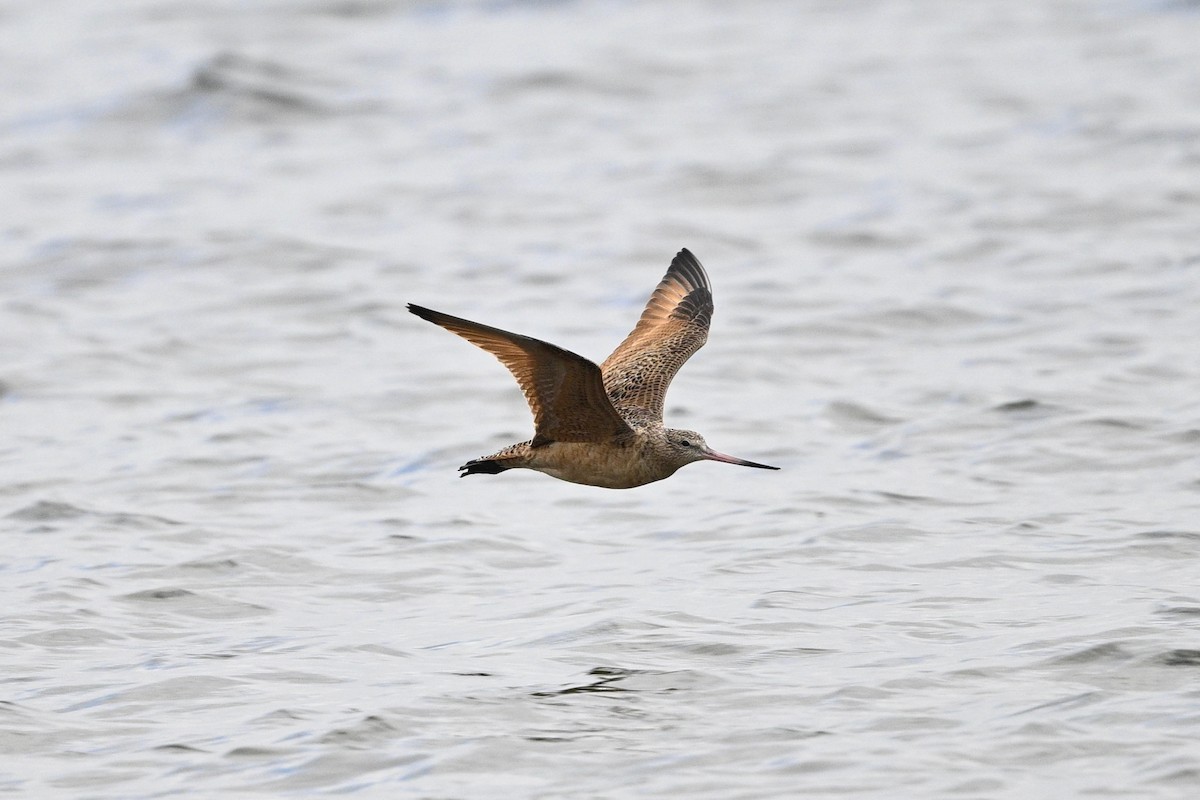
(957,276)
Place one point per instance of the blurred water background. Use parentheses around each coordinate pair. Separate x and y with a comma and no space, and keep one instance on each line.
(956,263)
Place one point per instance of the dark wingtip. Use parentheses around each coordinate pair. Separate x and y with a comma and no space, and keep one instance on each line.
(422,311)
(685,258)
(687,265)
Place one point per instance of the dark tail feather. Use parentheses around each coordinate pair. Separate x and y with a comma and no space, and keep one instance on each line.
(481,467)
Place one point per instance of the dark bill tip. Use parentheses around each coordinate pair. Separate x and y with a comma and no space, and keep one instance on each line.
(713,455)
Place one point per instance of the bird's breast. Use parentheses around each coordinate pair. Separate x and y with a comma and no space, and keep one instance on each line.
(608,465)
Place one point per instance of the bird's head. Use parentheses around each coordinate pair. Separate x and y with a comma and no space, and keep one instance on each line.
(685,447)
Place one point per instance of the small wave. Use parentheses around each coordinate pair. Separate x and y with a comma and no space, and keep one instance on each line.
(233,87)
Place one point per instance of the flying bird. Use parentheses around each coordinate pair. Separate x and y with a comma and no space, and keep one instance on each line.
(603,425)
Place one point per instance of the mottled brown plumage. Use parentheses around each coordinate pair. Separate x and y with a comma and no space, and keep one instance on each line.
(673,326)
(603,426)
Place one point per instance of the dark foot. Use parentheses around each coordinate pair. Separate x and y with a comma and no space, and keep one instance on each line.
(481,468)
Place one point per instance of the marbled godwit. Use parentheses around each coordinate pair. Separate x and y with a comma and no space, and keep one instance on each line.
(603,425)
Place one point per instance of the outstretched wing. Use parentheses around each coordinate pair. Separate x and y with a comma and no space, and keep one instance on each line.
(565,391)
(673,326)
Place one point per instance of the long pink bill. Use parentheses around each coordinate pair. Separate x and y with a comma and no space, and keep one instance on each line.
(713,455)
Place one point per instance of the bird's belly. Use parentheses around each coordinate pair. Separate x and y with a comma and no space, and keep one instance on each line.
(604,465)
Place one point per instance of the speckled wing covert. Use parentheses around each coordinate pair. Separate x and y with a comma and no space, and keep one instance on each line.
(565,391)
(673,326)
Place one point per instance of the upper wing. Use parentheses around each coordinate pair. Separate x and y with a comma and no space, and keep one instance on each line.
(565,391)
(673,326)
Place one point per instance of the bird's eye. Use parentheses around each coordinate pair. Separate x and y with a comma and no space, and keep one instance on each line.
(686,443)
